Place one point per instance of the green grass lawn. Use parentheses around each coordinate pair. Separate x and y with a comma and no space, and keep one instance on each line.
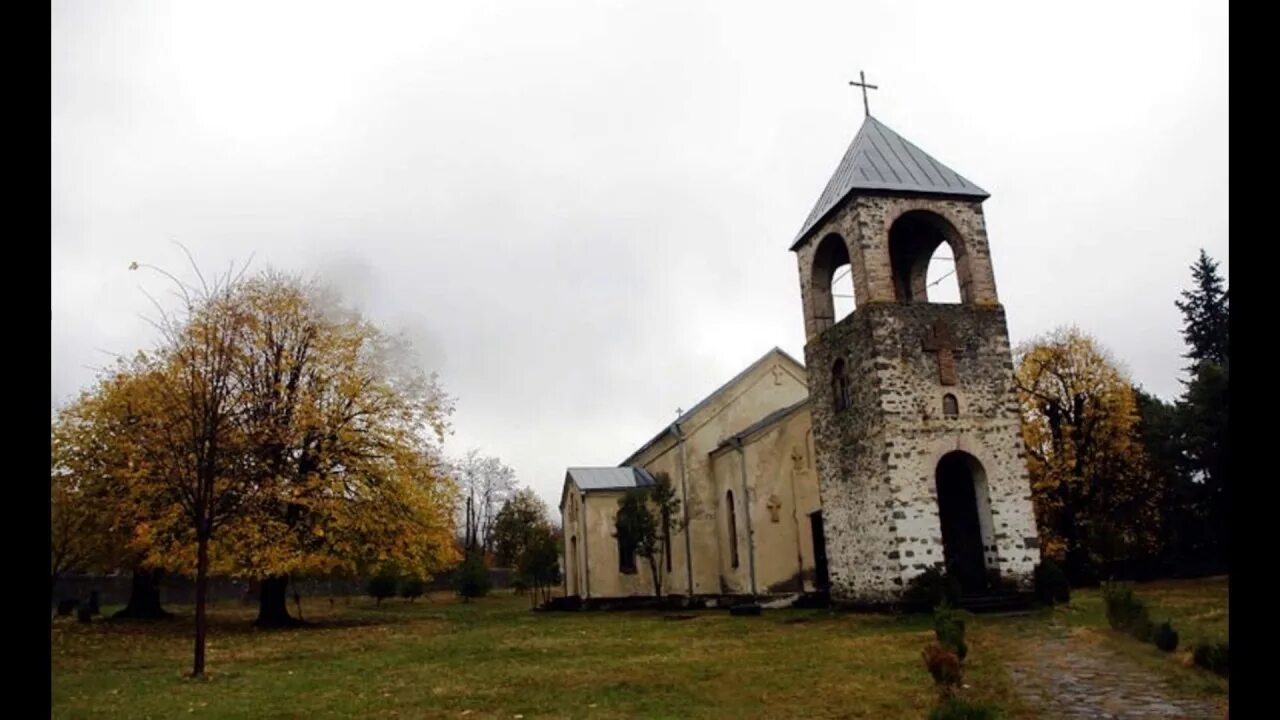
(1197,609)
(494,658)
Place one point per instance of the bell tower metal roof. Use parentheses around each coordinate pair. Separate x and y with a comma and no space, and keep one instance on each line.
(881,159)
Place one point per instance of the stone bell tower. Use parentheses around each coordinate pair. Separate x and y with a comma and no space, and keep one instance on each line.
(915,418)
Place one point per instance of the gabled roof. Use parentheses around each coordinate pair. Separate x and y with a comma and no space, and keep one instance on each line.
(691,412)
(880,159)
(762,424)
(589,479)
(601,479)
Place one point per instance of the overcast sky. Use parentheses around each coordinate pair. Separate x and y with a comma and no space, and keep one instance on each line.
(580,212)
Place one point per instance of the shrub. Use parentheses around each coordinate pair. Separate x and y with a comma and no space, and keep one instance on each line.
(932,588)
(1212,657)
(943,665)
(471,579)
(954,709)
(1143,630)
(1166,638)
(412,588)
(1051,583)
(538,566)
(1126,612)
(948,627)
(381,586)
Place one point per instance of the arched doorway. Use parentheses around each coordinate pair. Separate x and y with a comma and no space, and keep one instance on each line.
(959,480)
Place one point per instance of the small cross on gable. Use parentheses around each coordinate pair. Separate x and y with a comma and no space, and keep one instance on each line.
(939,339)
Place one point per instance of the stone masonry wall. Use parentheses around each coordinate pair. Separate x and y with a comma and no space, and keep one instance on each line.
(853,481)
(877,459)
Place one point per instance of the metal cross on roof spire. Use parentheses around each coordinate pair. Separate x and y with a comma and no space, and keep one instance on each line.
(863,77)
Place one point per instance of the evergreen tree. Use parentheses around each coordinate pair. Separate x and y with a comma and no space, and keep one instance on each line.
(1204,423)
(1203,414)
(1183,502)
(539,563)
(1206,313)
(471,579)
(521,520)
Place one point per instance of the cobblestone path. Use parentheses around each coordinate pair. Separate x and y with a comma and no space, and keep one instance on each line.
(1067,677)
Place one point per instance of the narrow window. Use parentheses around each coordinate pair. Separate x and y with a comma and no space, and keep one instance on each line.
(839,386)
(950,406)
(733,529)
(572,560)
(666,539)
(626,555)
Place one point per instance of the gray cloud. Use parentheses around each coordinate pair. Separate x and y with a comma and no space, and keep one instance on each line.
(579,212)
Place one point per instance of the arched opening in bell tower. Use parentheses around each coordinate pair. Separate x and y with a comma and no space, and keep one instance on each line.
(831,282)
(927,259)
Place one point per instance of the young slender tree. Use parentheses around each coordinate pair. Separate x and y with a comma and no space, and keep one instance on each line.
(647,517)
(191,458)
(539,563)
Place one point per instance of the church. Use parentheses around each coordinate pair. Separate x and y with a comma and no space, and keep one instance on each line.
(894,447)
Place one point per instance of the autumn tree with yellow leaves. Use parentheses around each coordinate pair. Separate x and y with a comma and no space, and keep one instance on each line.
(343,427)
(75,542)
(96,523)
(271,432)
(1096,500)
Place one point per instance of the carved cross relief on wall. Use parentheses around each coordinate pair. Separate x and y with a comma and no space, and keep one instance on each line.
(939,339)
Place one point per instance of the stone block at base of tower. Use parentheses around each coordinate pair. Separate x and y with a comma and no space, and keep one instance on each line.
(894,459)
